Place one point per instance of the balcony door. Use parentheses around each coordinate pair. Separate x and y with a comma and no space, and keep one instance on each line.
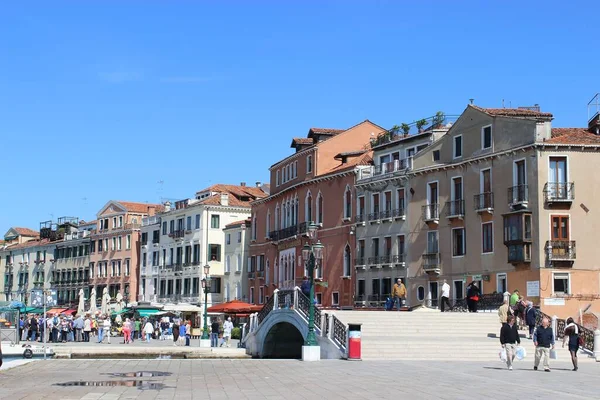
(560,235)
(361,205)
(432,242)
(388,201)
(375,203)
(558,177)
(432,200)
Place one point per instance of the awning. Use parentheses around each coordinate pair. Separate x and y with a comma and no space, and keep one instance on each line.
(144,312)
(235,307)
(182,308)
(71,311)
(26,309)
(56,311)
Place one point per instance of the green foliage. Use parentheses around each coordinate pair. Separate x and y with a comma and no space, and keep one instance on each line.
(405,128)
(236,333)
(421,123)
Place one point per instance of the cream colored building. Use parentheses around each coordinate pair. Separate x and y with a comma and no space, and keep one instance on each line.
(505,199)
(237,252)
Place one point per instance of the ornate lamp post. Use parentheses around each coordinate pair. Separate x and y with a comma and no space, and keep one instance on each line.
(206,289)
(312,254)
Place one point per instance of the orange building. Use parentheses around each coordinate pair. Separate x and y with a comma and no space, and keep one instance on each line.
(316,183)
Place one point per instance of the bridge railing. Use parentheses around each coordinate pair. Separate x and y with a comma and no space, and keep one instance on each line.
(558,325)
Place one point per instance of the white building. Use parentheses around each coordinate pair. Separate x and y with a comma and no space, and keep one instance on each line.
(178,243)
(237,252)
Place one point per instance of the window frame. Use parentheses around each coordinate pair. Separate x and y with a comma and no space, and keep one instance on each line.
(483,240)
(560,217)
(498,276)
(309,166)
(568,275)
(435,155)
(335,303)
(347,199)
(464,242)
(213,218)
(454,147)
(483,128)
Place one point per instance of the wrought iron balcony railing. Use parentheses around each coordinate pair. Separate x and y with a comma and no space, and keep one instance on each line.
(518,195)
(431,262)
(561,250)
(455,208)
(399,259)
(373,260)
(431,212)
(484,201)
(559,192)
(359,261)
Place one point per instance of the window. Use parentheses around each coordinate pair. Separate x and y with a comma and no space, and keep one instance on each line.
(268,224)
(144,257)
(420,293)
(261,295)
(517,228)
(361,289)
(458,242)
(320,208)
(347,261)
(119,268)
(128,242)
(319,298)
(238,266)
(119,243)
(155,256)
(348,203)
(387,242)
(487,237)
(113,243)
(120,221)
(251,299)
(254,228)
(457,146)
(387,201)
(155,237)
(400,201)
(375,203)
(486,137)
(113,268)
(432,242)
(228,264)
(188,223)
(335,298)
(239,237)
(308,207)
(561,283)
(164,228)
(172,226)
(228,240)
(376,287)
(375,247)
(501,283)
(361,206)
(214,221)
(100,245)
(197,224)
(308,164)
(114,222)
(459,289)
(436,155)
(560,227)
(144,238)
(277,178)
(93,246)
(215,252)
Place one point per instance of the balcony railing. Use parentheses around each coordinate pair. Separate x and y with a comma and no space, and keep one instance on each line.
(359,261)
(559,192)
(561,250)
(132,226)
(518,195)
(484,201)
(385,259)
(431,212)
(386,168)
(178,234)
(360,218)
(373,260)
(431,262)
(251,274)
(399,259)
(399,213)
(284,233)
(374,216)
(438,121)
(455,208)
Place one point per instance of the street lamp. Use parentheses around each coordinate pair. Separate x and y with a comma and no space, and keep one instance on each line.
(206,289)
(312,254)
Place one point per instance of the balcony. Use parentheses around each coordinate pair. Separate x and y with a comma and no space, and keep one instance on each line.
(432,263)
(386,215)
(518,196)
(251,275)
(178,234)
(260,274)
(131,226)
(284,233)
(455,209)
(431,213)
(360,219)
(399,260)
(440,121)
(399,213)
(155,240)
(559,192)
(385,260)
(384,169)
(374,217)
(374,260)
(561,250)
(359,262)
(484,202)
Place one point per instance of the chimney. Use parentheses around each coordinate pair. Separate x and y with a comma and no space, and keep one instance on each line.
(151,211)
(167,206)
(224,199)
(258,184)
(243,184)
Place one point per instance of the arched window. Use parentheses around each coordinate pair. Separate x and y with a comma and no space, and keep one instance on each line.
(347,261)
(420,293)
(239,263)
(238,291)
(277,217)
(268,224)
(227,292)
(254,227)
(308,207)
(267,273)
(296,208)
(228,264)
(348,203)
(319,208)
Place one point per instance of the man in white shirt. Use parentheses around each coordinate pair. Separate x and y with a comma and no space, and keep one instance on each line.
(227,328)
(445,296)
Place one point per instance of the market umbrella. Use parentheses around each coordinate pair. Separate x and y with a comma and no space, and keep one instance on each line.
(105,300)
(93,302)
(235,307)
(81,306)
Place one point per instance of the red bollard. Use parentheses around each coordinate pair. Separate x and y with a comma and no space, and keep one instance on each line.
(354,344)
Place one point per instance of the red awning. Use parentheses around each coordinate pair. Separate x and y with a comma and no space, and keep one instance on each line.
(71,311)
(56,311)
(235,307)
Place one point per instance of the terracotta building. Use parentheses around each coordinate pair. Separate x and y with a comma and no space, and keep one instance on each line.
(114,247)
(316,183)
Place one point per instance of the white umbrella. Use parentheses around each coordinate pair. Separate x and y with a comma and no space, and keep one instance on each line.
(81,307)
(93,302)
(119,303)
(105,299)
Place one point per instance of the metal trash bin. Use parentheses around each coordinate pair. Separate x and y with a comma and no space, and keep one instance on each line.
(354,342)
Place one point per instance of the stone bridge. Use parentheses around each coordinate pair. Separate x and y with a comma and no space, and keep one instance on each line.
(280,328)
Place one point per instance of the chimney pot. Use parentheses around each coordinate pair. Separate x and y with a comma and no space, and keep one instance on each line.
(167,206)
(243,184)
(258,184)
(224,199)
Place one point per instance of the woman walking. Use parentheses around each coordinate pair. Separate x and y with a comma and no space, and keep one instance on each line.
(148,329)
(572,333)
(175,331)
(127,331)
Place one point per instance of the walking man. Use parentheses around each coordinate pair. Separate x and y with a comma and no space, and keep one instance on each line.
(543,339)
(399,293)
(509,338)
(503,313)
(445,296)
(214,333)
(227,328)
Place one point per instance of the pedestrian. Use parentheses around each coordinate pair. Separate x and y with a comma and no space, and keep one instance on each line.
(530,319)
(55,328)
(214,333)
(49,327)
(33,327)
(100,329)
(188,332)
(21,326)
(127,331)
(399,294)
(503,312)
(175,331)
(78,324)
(509,338)
(148,329)
(543,339)
(520,312)
(106,324)
(473,294)
(137,331)
(445,296)
(514,298)
(305,286)
(227,328)
(572,333)
(182,333)
(87,328)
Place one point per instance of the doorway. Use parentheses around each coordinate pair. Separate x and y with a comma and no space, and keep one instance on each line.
(433,291)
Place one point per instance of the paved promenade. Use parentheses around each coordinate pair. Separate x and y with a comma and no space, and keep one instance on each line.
(283,379)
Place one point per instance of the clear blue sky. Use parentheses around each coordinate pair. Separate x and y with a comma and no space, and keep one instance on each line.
(101,100)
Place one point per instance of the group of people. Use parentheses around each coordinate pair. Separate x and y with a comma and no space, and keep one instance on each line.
(518,312)
(179,330)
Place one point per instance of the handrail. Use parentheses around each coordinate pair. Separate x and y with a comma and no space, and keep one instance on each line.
(588,334)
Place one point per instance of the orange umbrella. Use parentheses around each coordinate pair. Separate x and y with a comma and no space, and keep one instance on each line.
(235,307)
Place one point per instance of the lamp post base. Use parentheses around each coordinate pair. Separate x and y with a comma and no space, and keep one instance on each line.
(205,343)
(311,353)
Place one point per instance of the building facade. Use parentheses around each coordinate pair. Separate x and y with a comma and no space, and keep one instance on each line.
(493,200)
(316,184)
(237,254)
(190,236)
(114,248)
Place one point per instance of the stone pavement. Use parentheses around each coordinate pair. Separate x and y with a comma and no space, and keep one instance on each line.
(291,379)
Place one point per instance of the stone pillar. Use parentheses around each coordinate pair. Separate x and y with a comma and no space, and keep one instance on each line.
(597,345)
(296,290)
(554,326)
(276,299)
(330,330)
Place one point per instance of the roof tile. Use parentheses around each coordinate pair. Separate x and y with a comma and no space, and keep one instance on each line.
(512,112)
(573,136)
(27,232)
(139,207)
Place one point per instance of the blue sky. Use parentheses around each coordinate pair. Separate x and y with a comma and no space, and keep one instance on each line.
(102,100)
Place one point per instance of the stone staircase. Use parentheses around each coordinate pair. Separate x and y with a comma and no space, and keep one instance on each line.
(431,335)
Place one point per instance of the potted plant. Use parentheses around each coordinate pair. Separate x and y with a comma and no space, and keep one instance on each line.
(405,129)
(438,118)
(420,124)
(395,129)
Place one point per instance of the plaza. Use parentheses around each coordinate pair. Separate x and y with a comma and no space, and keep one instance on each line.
(290,379)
